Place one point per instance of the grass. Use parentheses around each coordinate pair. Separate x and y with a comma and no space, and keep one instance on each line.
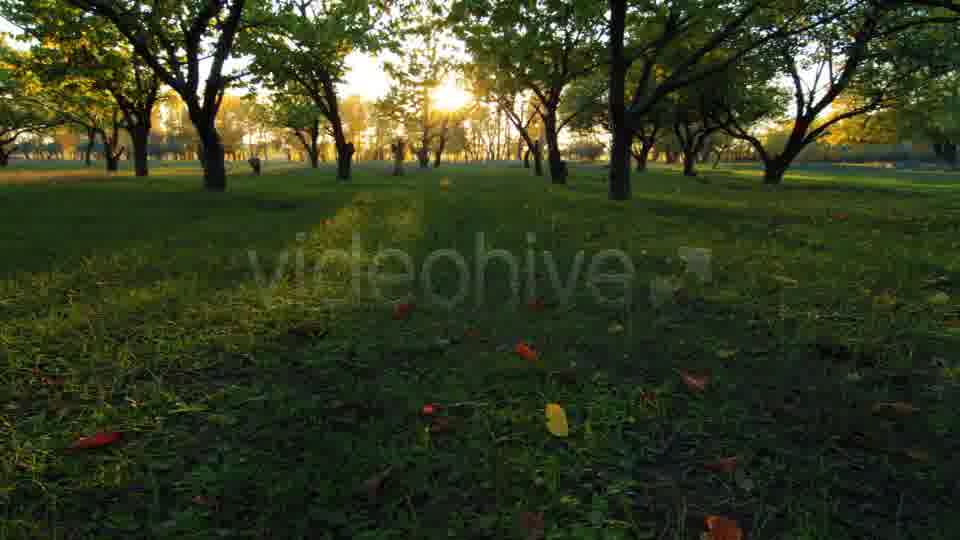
(132,305)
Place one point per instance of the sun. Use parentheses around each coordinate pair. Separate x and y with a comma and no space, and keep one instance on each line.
(449,96)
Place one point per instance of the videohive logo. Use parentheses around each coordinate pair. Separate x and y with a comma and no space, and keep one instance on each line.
(448,279)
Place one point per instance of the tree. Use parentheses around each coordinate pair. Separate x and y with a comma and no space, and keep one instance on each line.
(177,40)
(933,115)
(551,44)
(69,43)
(410,102)
(691,34)
(306,54)
(866,52)
(301,117)
(20,112)
(509,96)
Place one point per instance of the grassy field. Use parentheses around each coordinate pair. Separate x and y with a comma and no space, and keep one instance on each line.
(826,333)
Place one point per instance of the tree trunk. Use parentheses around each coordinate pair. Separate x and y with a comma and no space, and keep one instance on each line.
(399,149)
(140,139)
(213,157)
(948,152)
(4,158)
(345,151)
(643,156)
(423,157)
(689,164)
(558,169)
(526,159)
(91,140)
(773,171)
(113,162)
(622,135)
(537,158)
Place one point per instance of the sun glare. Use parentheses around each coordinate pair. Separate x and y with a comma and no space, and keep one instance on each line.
(450,97)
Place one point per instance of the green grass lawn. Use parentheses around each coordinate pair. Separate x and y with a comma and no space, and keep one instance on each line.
(292,407)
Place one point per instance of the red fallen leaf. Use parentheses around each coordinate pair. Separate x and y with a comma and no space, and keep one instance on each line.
(532,523)
(96,441)
(204,501)
(721,528)
(526,352)
(896,407)
(374,485)
(53,381)
(724,465)
(695,383)
(402,311)
(648,398)
(442,425)
(537,305)
(429,409)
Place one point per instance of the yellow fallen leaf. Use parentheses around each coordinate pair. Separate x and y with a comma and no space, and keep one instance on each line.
(939,299)
(726,354)
(557,420)
(615,328)
(786,281)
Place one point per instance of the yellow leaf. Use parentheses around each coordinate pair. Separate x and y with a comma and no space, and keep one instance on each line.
(726,354)
(939,299)
(557,420)
(788,281)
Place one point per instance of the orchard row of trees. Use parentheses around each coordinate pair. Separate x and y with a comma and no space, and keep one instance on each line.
(698,72)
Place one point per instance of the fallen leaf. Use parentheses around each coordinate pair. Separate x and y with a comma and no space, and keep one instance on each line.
(917,454)
(615,328)
(374,485)
(786,281)
(724,465)
(726,354)
(693,382)
(721,528)
(939,299)
(557,420)
(204,501)
(532,524)
(96,441)
(953,323)
(402,311)
(429,409)
(536,305)
(471,333)
(526,352)
(896,407)
(310,330)
(840,216)
(442,425)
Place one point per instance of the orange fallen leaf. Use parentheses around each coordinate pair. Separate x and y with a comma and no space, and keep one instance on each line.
(840,216)
(896,407)
(724,465)
(402,311)
(954,323)
(694,382)
(96,441)
(536,305)
(526,352)
(721,528)
(471,333)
